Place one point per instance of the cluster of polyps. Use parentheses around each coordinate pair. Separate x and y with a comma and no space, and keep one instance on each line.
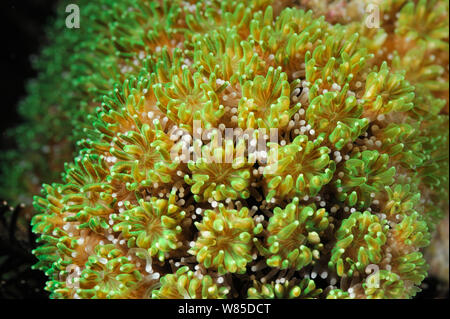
(169,206)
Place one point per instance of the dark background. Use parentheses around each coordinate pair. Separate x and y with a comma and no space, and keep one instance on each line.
(23,35)
(23,23)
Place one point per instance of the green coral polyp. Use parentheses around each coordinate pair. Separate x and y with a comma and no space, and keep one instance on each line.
(412,231)
(225,240)
(401,199)
(185,284)
(189,98)
(389,286)
(359,243)
(335,61)
(272,108)
(152,225)
(220,172)
(305,289)
(411,267)
(109,275)
(363,176)
(433,22)
(356,179)
(402,142)
(337,115)
(387,92)
(143,157)
(294,235)
(305,166)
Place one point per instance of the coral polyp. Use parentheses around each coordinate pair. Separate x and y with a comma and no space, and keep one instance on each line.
(362,176)
(359,242)
(152,226)
(294,235)
(184,284)
(225,240)
(305,289)
(252,141)
(220,172)
(302,168)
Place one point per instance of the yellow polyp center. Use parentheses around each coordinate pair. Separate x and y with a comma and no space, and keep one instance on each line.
(148,159)
(109,282)
(154,228)
(93,198)
(295,240)
(223,172)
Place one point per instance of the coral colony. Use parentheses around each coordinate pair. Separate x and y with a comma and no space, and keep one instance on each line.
(241,149)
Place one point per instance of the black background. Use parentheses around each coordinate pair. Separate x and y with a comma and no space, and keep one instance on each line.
(22,29)
(23,25)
